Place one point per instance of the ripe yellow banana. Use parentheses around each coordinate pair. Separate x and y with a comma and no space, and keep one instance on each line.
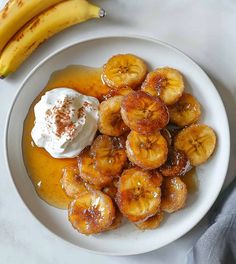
(17,13)
(42,27)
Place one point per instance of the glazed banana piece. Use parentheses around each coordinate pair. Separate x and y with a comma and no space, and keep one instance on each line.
(197,142)
(121,91)
(72,183)
(109,153)
(17,13)
(124,70)
(166,83)
(117,220)
(91,213)
(144,113)
(147,152)
(174,194)
(138,196)
(88,171)
(177,164)
(42,27)
(152,222)
(186,111)
(110,122)
(157,177)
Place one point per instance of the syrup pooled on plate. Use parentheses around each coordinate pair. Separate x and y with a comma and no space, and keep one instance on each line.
(45,171)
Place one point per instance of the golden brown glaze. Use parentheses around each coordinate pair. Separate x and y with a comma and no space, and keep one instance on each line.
(144,113)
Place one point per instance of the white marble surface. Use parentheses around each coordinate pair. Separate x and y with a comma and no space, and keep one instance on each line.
(205,30)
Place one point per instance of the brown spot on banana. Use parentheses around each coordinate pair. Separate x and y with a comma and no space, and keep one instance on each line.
(5,10)
(19,3)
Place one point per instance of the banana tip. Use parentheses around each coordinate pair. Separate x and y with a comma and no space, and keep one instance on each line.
(102,13)
(2,77)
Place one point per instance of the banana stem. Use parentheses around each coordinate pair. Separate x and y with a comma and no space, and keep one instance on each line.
(102,13)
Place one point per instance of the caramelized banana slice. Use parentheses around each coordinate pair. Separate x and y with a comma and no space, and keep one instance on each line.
(197,142)
(152,222)
(186,111)
(144,113)
(147,152)
(110,122)
(89,173)
(91,213)
(124,70)
(166,83)
(72,183)
(138,197)
(174,194)
(177,164)
(121,91)
(157,178)
(92,187)
(109,154)
(117,221)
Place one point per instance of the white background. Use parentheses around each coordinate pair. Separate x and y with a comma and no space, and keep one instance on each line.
(205,30)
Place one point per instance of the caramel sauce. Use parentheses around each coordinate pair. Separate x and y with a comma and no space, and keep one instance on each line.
(86,80)
(45,171)
(191,180)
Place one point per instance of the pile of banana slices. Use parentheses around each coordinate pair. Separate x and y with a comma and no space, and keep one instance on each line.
(136,164)
(25,24)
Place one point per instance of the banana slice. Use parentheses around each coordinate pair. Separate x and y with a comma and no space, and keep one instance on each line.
(152,222)
(197,142)
(124,70)
(157,178)
(92,187)
(121,91)
(174,194)
(72,183)
(110,122)
(144,113)
(186,111)
(91,213)
(166,83)
(117,221)
(138,197)
(88,171)
(177,164)
(110,155)
(147,152)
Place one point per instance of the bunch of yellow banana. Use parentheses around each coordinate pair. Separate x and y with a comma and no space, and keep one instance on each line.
(25,24)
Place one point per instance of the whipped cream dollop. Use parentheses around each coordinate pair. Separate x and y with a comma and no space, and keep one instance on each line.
(65,122)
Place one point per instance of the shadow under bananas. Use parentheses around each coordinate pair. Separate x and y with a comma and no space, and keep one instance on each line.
(229,100)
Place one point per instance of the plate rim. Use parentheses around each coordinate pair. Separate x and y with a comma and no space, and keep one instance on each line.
(131,36)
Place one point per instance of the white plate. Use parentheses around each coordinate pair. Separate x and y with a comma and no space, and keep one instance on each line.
(126,240)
